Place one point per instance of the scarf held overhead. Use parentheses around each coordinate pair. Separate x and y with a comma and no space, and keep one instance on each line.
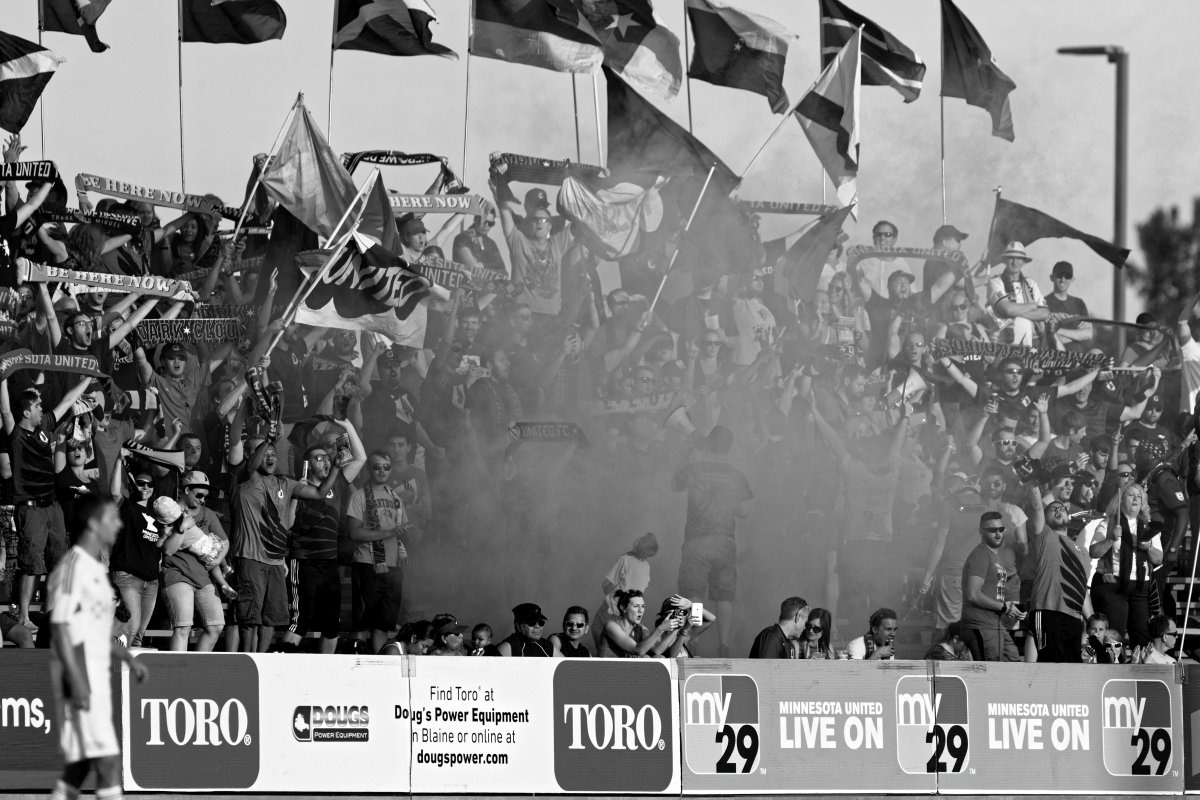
(149,284)
(85,183)
(27,359)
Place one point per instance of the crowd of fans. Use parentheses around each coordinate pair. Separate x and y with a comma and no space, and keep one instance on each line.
(289,488)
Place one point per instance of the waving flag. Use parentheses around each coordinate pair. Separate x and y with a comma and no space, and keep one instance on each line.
(805,251)
(1013,222)
(643,52)
(738,49)
(390,27)
(232,21)
(25,69)
(612,213)
(76,17)
(551,34)
(829,116)
(969,70)
(886,61)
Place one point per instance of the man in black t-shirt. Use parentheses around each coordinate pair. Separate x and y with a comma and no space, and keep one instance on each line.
(776,641)
(41,531)
(1076,336)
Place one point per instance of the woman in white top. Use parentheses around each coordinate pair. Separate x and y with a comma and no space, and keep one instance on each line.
(1126,550)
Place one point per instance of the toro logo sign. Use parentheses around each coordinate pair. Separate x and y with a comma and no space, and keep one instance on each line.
(721,717)
(932,726)
(1137,727)
(613,727)
(195,723)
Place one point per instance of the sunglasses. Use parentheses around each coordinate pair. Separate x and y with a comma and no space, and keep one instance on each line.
(199,495)
(382,467)
(1124,474)
(143,484)
(1007,442)
(815,628)
(1001,529)
(884,235)
(1013,371)
(573,625)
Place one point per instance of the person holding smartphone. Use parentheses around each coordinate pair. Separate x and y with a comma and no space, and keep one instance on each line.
(991,587)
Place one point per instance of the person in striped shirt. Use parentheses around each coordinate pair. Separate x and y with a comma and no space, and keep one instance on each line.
(1059,587)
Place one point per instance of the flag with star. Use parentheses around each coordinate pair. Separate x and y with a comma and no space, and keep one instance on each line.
(390,27)
(551,34)
(636,47)
(738,49)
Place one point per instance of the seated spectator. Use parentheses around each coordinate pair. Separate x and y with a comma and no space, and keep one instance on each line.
(448,639)
(413,639)
(575,627)
(775,641)
(625,637)
(526,639)
(879,642)
(1164,636)
(481,641)
(952,646)
(814,642)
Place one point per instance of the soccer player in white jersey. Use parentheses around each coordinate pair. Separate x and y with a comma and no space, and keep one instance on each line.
(81,616)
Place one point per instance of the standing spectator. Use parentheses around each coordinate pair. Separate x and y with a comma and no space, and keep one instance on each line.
(526,639)
(775,641)
(410,483)
(575,627)
(377,523)
(312,566)
(717,494)
(189,584)
(475,248)
(879,642)
(884,235)
(991,587)
(631,571)
(539,256)
(260,544)
(1126,549)
(1059,587)
(1074,335)
(136,556)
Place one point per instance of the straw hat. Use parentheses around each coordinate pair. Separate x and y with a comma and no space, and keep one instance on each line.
(1015,250)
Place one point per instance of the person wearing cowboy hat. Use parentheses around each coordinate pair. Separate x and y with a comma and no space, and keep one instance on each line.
(1012,296)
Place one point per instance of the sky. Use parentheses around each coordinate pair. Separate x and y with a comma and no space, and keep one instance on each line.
(118,114)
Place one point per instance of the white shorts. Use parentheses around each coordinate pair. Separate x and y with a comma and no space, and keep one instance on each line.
(86,734)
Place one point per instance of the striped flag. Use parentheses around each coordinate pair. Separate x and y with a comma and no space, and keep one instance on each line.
(551,34)
(76,17)
(390,27)
(886,61)
(829,116)
(25,69)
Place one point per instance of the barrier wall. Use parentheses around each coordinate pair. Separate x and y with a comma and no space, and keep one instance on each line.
(329,724)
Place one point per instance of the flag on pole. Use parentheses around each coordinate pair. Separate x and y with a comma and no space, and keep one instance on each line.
(307,178)
(231,21)
(969,71)
(886,61)
(76,17)
(738,49)
(829,116)
(1013,222)
(643,139)
(372,290)
(803,253)
(551,34)
(390,27)
(636,47)
(611,214)
(25,69)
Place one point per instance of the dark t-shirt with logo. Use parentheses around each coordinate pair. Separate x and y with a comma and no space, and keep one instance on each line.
(32,464)
(315,529)
(136,549)
(714,490)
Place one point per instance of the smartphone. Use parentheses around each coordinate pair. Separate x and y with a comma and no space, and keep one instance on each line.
(472,360)
(343,404)
(697,614)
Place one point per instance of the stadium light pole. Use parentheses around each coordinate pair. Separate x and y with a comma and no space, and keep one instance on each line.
(1116,55)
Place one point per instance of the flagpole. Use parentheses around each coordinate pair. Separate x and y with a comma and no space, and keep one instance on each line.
(329,96)
(575,101)
(342,238)
(686,228)
(287,120)
(179,51)
(687,62)
(467,93)
(602,155)
(42,96)
(942,123)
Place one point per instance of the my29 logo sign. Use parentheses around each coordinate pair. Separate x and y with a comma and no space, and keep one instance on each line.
(720,717)
(932,725)
(1136,716)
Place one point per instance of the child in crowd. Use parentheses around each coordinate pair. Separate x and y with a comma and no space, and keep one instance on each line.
(481,641)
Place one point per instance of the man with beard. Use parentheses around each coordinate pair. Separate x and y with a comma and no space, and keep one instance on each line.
(1005,445)
(882,310)
(1061,483)
(313,580)
(991,587)
(178,385)
(1059,587)
(1081,509)
(260,541)
(389,406)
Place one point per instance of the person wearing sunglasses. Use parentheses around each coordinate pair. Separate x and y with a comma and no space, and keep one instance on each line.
(190,585)
(475,246)
(1127,547)
(814,643)
(991,588)
(1164,636)
(872,270)
(1074,336)
(775,640)
(378,523)
(136,557)
(575,627)
(1059,586)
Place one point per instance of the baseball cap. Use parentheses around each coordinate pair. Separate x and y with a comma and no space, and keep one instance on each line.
(948,232)
(411,223)
(1084,477)
(1155,402)
(195,478)
(172,350)
(1145,318)
(1062,269)
(529,614)
(1061,472)
(537,198)
(908,276)
(450,627)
